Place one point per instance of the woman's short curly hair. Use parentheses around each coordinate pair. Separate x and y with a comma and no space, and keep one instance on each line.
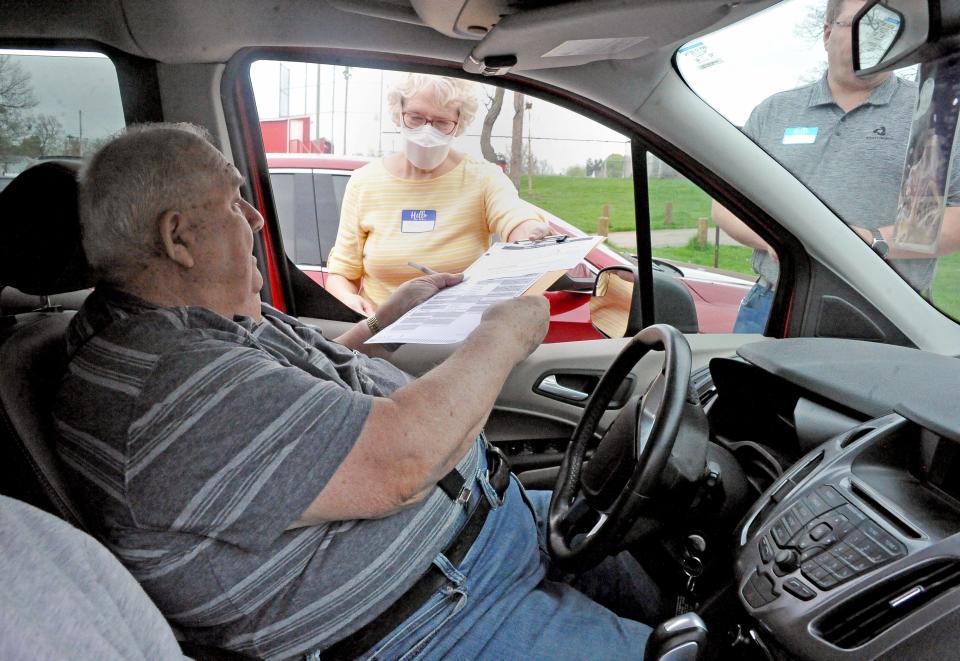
(448,92)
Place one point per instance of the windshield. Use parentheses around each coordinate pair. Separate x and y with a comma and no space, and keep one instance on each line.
(850,140)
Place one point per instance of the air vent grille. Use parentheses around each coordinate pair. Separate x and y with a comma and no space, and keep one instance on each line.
(702,383)
(869,614)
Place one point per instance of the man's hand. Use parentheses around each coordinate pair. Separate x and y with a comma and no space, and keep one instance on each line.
(530,230)
(522,322)
(412,293)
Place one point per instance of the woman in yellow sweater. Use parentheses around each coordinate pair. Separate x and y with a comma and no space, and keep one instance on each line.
(428,204)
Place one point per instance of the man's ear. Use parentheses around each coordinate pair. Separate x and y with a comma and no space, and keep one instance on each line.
(176,237)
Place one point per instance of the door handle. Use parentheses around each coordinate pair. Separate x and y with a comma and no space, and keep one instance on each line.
(550,385)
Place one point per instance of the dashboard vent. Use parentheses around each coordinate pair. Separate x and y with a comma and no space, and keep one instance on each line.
(701,382)
(872,612)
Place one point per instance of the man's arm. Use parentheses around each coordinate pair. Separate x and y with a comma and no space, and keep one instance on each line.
(948,243)
(417,435)
(737,229)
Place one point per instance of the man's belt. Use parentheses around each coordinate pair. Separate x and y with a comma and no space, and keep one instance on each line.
(498,471)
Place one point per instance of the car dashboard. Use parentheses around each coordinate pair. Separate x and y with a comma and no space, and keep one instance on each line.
(854,551)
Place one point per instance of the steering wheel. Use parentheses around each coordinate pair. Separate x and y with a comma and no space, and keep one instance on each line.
(589,514)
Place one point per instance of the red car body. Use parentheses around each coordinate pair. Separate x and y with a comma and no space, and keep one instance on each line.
(716,297)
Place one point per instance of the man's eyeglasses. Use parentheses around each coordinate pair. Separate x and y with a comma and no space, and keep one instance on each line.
(414,121)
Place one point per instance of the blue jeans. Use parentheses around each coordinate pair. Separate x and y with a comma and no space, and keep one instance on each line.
(754,310)
(500,604)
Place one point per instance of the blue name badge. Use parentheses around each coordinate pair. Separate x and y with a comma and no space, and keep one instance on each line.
(413,221)
(800,135)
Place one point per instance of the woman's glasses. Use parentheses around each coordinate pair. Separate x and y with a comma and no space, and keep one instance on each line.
(414,121)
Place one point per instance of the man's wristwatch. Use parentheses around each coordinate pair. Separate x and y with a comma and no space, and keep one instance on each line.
(879,245)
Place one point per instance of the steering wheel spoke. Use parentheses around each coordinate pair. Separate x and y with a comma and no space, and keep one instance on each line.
(650,404)
(580,531)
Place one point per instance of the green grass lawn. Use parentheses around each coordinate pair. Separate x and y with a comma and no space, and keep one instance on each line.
(580,200)
(732,258)
(946,285)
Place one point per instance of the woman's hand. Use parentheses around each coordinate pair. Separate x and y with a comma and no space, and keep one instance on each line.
(530,230)
(358,303)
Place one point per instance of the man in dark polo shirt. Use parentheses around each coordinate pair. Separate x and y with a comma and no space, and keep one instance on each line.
(846,139)
(280,494)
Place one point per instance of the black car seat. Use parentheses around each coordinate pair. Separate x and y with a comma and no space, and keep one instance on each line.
(40,255)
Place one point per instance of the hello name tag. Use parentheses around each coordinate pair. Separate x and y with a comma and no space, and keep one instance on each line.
(800,135)
(413,221)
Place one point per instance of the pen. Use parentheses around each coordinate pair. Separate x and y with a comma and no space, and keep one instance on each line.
(423,269)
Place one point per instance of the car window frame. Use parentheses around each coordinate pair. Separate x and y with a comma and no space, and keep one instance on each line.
(243,128)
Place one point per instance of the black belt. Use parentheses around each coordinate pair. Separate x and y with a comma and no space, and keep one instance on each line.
(498,470)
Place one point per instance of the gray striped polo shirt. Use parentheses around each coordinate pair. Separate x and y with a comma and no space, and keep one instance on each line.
(193,442)
(852,161)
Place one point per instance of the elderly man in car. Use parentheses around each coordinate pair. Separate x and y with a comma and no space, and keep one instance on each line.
(280,494)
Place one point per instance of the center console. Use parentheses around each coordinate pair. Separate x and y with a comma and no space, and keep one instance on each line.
(855,552)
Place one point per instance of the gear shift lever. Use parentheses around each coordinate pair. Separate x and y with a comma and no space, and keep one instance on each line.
(681,638)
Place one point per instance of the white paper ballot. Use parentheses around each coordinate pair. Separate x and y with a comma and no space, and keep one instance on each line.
(509,259)
(451,315)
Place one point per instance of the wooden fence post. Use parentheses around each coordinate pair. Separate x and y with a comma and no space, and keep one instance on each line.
(603,222)
(716,247)
(702,232)
(668,214)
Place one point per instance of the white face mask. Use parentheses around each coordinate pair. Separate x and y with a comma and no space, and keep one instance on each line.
(425,147)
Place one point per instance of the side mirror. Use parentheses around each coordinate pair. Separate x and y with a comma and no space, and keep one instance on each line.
(615,305)
(890,34)
(876,31)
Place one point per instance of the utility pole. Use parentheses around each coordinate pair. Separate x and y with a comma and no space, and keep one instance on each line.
(80,140)
(318,104)
(529,147)
(346,96)
(380,119)
(333,106)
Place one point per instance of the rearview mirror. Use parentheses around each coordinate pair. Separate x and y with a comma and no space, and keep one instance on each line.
(615,305)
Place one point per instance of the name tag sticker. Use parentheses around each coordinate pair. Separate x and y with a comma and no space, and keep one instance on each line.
(413,221)
(800,135)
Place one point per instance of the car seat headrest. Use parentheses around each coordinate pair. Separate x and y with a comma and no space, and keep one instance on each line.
(41,252)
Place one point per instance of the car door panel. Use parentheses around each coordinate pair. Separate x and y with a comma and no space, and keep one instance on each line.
(532,427)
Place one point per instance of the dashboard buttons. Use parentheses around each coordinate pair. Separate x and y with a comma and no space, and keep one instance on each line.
(819,531)
(780,534)
(816,504)
(766,553)
(799,589)
(791,522)
(804,513)
(820,577)
(831,496)
(835,566)
(758,590)
(852,557)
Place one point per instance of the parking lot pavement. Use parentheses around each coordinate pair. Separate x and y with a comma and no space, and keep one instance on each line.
(668,238)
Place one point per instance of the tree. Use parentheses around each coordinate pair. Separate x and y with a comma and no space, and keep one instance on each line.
(495,103)
(614,165)
(16,97)
(594,167)
(46,136)
(516,140)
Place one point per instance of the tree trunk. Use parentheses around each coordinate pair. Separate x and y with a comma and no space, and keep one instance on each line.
(493,111)
(516,140)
